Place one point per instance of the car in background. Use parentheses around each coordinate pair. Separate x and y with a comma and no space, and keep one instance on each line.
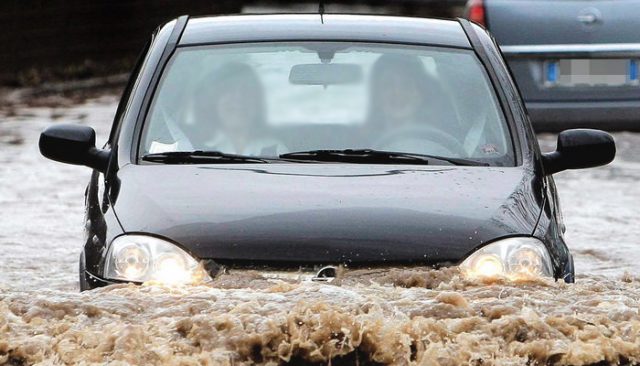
(577,62)
(297,144)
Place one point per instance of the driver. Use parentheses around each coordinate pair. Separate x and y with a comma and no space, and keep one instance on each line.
(407,104)
(228,115)
(231,101)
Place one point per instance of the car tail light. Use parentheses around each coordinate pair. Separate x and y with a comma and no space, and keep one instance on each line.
(476,12)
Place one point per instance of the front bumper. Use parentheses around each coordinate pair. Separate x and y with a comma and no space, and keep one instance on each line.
(89,282)
(607,115)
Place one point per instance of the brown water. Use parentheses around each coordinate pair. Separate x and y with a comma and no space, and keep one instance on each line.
(398,316)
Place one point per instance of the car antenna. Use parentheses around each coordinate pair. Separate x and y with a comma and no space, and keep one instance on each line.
(321,11)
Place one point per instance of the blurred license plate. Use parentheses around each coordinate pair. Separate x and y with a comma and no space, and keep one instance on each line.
(592,72)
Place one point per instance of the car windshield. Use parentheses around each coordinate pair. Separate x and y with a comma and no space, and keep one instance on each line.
(270,99)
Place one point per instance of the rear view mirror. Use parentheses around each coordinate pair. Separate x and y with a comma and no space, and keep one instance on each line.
(580,148)
(325,74)
(73,144)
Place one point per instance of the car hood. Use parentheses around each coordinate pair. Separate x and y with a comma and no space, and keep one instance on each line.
(327,213)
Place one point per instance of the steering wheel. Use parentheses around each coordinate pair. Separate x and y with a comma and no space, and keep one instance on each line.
(428,133)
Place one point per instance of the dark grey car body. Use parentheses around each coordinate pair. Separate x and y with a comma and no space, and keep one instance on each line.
(323,222)
(533,33)
(289,215)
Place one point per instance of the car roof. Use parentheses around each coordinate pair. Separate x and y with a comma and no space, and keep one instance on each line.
(330,27)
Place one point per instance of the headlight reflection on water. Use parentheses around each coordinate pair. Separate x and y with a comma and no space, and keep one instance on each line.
(140,258)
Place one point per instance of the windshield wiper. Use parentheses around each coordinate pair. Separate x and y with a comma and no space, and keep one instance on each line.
(376,157)
(206,157)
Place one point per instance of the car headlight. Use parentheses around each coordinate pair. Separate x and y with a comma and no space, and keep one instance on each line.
(513,258)
(140,258)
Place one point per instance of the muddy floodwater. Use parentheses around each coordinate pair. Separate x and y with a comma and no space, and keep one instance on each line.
(395,316)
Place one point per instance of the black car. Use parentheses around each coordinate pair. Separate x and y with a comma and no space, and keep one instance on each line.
(295,144)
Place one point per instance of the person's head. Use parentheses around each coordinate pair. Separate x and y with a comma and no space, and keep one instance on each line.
(398,85)
(232,99)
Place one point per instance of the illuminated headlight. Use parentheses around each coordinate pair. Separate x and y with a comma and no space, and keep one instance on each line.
(513,258)
(139,258)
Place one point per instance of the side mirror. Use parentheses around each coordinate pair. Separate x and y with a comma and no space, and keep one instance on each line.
(73,144)
(580,148)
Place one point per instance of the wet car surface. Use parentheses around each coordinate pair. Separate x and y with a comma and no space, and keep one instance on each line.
(406,317)
(226,167)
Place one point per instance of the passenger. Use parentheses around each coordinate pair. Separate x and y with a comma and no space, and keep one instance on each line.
(405,99)
(230,107)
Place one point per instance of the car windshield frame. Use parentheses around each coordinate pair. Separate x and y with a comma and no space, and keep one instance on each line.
(512,133)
